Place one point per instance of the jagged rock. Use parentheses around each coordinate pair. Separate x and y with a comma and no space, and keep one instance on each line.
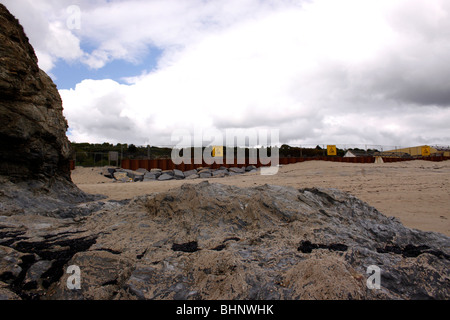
(271,224)
(10,261)
(34,149)
(33,140)
(103,273)
(6,294)
(212,241)
(250,168)
(193,176)
(35,273)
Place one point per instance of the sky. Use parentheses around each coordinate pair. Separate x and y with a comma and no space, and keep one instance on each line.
(366,72)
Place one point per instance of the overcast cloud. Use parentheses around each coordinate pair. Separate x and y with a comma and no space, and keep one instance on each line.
(320,71)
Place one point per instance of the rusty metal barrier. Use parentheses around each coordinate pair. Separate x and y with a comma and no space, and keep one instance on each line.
(167,164)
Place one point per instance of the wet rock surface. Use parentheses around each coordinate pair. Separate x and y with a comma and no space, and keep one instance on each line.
(211,241)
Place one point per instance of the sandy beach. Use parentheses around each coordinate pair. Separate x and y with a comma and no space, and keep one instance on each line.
(415,192)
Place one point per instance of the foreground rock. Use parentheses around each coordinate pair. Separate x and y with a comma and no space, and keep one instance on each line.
(34,149)
(211,241)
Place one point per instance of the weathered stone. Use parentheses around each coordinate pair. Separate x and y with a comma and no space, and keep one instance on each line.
(193,176)
(9,264)
(151,176)
(250,168)
(204,174)
(203,170)
(108,172)
(6,294)
(142,170)
(237,170)
(189,173)
(178,174)
(35,272)
(219,173)
(136,176)
(118,175)
(102,274)
(157,170)
(165,177)
(133,175)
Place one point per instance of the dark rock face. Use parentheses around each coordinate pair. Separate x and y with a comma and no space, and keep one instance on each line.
(34,149)
(33,142)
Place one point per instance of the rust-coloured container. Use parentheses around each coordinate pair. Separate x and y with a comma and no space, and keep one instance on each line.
(153,164)
(143,164)
(134,164)
(170,164)
(181,166)
(125,163)
(162,164)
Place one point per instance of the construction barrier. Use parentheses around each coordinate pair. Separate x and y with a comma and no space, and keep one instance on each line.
(167,164)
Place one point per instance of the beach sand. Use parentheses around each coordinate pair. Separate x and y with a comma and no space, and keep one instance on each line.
(416,192)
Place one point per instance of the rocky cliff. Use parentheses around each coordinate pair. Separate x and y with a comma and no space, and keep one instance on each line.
(34,149)
(33,142)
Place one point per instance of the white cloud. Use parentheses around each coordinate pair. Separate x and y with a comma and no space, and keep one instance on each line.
(44,24)
(349,71)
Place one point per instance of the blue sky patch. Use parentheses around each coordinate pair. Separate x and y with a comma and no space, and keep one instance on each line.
(67,74)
